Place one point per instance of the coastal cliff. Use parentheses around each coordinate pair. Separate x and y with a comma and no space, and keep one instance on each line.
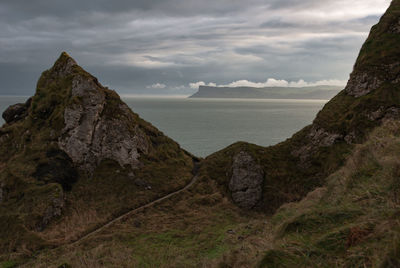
(84,181)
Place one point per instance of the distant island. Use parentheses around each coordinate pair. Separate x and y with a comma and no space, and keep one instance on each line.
(314,92)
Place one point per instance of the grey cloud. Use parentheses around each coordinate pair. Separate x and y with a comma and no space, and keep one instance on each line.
(132,44)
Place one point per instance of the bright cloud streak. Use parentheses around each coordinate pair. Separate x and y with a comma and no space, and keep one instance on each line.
(271,82)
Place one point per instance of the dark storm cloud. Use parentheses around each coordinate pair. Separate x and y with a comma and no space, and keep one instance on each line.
(136,46)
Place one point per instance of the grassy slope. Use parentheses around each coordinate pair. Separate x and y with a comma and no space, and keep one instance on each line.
(354,220)
(30,144)
(198,228)
(351,221)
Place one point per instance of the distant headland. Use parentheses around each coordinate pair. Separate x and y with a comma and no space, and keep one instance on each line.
(313,92)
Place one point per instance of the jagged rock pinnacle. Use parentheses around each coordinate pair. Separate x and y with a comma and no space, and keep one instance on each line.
(64,64)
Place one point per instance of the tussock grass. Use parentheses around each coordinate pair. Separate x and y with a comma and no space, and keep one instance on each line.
(353,221)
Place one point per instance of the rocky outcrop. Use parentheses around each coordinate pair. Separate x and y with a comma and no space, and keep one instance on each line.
(246,181)
(16,112)
(90,137)
(317,138)
(361,84)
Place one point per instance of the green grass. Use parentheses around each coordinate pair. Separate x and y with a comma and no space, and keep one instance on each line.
(8,264)
(207,244)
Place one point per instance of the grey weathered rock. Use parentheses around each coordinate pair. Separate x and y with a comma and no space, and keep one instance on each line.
(321,137)
(383,114)
(361,84)
(246,181)
(16,112)
(375,115)
(317,137)
(89,137)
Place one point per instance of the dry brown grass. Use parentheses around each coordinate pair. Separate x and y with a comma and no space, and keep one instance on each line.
(188,230)
(77,221)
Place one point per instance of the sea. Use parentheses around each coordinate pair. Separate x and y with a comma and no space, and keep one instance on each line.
(204,126)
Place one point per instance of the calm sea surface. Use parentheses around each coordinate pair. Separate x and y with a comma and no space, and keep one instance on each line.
(204,126)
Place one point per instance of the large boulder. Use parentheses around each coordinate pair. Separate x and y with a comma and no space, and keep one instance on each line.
(16,112)
(246,181)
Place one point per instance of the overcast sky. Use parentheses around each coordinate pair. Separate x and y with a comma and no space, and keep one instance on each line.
(172,46)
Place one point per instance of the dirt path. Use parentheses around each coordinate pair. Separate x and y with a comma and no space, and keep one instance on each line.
(133,211)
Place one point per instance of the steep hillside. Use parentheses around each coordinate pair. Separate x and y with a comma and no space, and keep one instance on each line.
(289,170)
(354,220)
(74,156)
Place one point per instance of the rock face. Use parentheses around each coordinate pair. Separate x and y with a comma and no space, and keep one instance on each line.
(16,112)
(361,84)
(317,137)
(246,181)
(90,137)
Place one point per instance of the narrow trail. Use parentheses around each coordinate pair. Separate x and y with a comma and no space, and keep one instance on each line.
(129,213)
